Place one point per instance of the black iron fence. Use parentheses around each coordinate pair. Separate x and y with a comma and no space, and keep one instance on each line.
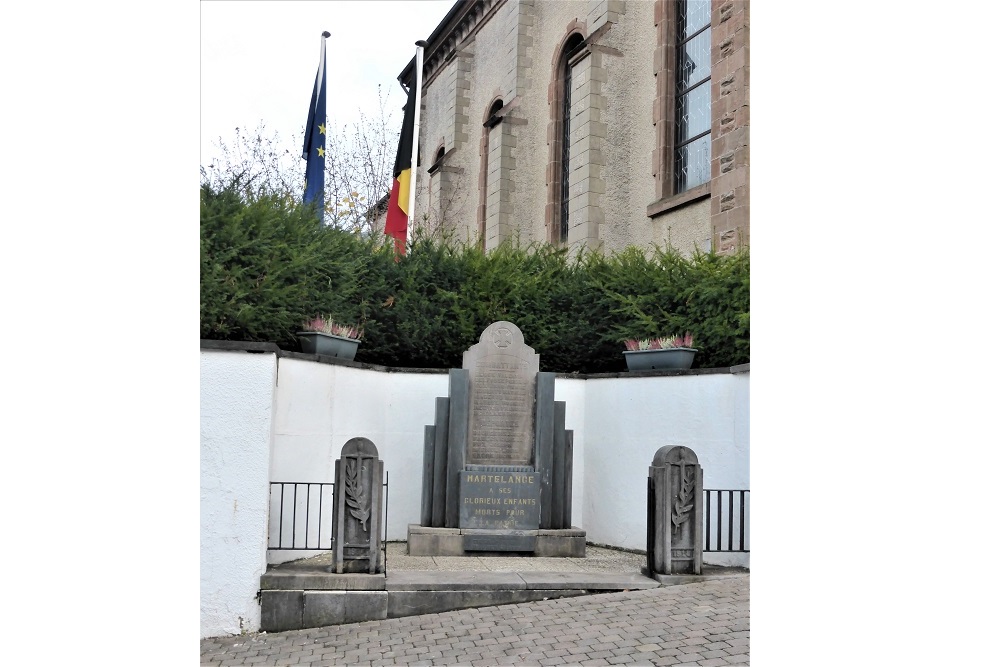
(301,515)
(726,517)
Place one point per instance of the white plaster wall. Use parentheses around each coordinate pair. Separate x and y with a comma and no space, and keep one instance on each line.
(319,407)
(236,416)
(628,419)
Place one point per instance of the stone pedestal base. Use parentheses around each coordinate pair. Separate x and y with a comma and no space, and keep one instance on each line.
(294,600)
(564,543)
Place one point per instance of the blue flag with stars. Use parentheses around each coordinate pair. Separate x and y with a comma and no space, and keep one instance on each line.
(314,148)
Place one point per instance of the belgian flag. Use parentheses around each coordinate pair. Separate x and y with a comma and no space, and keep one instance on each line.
(402,172)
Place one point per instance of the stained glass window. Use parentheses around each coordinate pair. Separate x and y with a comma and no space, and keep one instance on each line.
(692,147)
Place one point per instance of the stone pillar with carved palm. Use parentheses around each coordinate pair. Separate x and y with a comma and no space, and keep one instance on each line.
(674,516)
(357,509)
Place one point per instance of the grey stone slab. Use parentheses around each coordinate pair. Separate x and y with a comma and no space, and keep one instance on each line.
(544,421)
(507,533)
(558,466)
(414,529)
(458,433)
(280,610)
(568,472)
(566,547)
(586,580)
(502,371)
(365,606)
(322,581)
(563,532)
(427,477)
(499,542)
(321,608)
(424,541)
(451,580)
(439,479)
(499,499)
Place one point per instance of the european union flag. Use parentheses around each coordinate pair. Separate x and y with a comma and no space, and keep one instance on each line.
(314,148)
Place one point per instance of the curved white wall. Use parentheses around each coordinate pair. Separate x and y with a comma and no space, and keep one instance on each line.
(628,419)
(237,394)
(322,406)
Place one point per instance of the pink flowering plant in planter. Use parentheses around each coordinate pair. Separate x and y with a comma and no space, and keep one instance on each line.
(663,353)
(322,335)
(663,343)
(328,326)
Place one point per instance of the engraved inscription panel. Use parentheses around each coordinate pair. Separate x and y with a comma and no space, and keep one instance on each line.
(499,500)
(502,372)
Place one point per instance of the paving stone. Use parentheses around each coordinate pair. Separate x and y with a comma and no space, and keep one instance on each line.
(637,627)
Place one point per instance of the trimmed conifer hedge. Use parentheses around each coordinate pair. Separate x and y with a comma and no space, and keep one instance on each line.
(267,266)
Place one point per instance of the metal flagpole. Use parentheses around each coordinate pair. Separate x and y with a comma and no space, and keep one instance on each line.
(419,69)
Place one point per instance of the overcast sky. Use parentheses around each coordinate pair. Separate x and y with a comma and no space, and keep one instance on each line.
(259,59)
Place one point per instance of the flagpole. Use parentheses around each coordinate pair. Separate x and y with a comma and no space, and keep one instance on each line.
(419,70)
(315,188)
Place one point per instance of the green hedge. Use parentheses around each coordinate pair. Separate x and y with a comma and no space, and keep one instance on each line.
(267,265)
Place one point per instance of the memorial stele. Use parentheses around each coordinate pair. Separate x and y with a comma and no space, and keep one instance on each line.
(498,461)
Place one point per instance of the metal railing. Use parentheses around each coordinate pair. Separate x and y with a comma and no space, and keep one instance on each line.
(726,517)
(300,516)
(297,514)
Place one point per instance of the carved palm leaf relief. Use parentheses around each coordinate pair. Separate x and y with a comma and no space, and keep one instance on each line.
(355,494)
(683,504)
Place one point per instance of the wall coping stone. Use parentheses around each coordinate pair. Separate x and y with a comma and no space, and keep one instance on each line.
(253,347)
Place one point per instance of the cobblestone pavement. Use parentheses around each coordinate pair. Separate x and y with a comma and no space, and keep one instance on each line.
(705,624)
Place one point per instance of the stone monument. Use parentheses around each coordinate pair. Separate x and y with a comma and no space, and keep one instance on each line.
(498,461)
(674,513)
(357,509)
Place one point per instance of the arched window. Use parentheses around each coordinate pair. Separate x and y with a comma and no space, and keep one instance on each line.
(492,117)
(438,161)
(562,104)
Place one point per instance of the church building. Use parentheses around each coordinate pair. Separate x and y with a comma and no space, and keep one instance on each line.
(597,123)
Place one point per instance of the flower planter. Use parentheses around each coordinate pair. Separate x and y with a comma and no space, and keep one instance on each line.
(672,358)
(315,342)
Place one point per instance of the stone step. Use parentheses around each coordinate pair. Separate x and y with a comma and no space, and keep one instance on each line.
(297,600)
